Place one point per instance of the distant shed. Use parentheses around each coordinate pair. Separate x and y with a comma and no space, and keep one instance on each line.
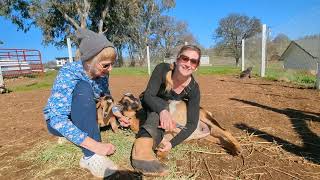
(302,55)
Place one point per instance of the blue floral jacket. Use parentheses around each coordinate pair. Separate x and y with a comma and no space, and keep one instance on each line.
(58,108)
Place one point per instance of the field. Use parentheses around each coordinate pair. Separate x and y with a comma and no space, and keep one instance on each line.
(277,124)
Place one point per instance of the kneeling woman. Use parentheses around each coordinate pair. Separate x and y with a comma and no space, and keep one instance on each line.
(167,82)
(71,108)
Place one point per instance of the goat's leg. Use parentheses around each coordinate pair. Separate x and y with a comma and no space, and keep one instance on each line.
(100,117)
(114,125)
(225,139)
(222,136)
(134,125)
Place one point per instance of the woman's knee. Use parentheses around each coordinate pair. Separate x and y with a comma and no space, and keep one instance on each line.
(83,107)
(153,116)
(83,88)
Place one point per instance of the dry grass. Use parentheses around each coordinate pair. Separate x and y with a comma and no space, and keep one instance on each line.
(186,161)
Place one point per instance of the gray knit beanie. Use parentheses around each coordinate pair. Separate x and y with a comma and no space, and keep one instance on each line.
(91,43)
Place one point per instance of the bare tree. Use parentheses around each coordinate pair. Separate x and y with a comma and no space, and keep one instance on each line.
(170,34)
(277,46)
(232,29)
(149,12)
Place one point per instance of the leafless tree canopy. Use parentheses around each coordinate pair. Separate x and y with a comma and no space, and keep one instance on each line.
(232,29)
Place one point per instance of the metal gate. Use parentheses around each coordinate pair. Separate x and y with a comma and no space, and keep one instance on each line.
(20,62)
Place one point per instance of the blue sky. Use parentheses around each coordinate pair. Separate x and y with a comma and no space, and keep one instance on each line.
(295,18)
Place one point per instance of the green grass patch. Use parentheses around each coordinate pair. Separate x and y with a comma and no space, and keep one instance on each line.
(305,79)
(138,71)
(296,77)
(218,70)
(204,70)
(37,82)
(123,141)
(32,86)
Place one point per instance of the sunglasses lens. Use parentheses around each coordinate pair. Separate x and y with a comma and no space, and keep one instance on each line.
(184,58)
(194,62)
(106,66)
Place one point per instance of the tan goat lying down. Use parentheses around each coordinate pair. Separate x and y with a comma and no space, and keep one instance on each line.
(208,128)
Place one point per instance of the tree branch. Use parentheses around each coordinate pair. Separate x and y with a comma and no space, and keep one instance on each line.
(68,18)
(83,14)
(87,6)
(105,31)
(103,16)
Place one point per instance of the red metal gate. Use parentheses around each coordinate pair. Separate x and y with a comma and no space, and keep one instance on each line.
(17,62)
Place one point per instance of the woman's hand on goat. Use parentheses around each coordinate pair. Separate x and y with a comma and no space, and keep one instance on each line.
(166,121)
(124,121)
(165,146)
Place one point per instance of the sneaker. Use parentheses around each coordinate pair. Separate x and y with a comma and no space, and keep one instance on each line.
(99,166)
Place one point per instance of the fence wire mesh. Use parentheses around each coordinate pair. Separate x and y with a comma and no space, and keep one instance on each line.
(253,52)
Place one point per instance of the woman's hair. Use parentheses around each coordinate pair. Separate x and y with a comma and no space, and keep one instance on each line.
(108,53)
(190,48)
(169,83)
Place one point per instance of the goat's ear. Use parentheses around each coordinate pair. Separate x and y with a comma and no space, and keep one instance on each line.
(98,104)
(107,97)
(121,101)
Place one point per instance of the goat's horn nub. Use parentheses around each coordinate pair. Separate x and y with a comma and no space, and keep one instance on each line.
(128,94)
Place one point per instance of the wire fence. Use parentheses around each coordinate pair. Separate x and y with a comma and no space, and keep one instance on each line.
(292,50)
(253,52)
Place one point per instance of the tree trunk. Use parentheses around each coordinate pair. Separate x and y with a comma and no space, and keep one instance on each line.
(237,62)
(132,60)
(120,58)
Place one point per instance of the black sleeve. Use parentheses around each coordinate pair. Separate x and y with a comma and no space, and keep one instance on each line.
(150,97)
(193,107)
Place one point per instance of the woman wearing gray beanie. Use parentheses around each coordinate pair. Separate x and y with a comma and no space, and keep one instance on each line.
(71,108)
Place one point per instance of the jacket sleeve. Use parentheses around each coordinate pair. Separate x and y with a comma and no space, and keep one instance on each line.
(193,107)
(150,97)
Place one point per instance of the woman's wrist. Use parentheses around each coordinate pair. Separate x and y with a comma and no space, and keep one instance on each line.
(163,111)
(90,144)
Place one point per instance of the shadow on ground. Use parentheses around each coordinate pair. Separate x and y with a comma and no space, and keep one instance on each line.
(310,148)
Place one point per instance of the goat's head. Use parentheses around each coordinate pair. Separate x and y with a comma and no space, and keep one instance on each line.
(131,106)
(130,102)
(104,106)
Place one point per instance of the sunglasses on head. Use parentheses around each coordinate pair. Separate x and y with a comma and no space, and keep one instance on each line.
(184,58)
(106,66)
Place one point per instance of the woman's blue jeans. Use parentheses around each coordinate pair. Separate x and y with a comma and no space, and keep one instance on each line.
(83,114)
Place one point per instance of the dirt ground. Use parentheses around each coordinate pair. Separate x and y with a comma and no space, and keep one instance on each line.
(277,124)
